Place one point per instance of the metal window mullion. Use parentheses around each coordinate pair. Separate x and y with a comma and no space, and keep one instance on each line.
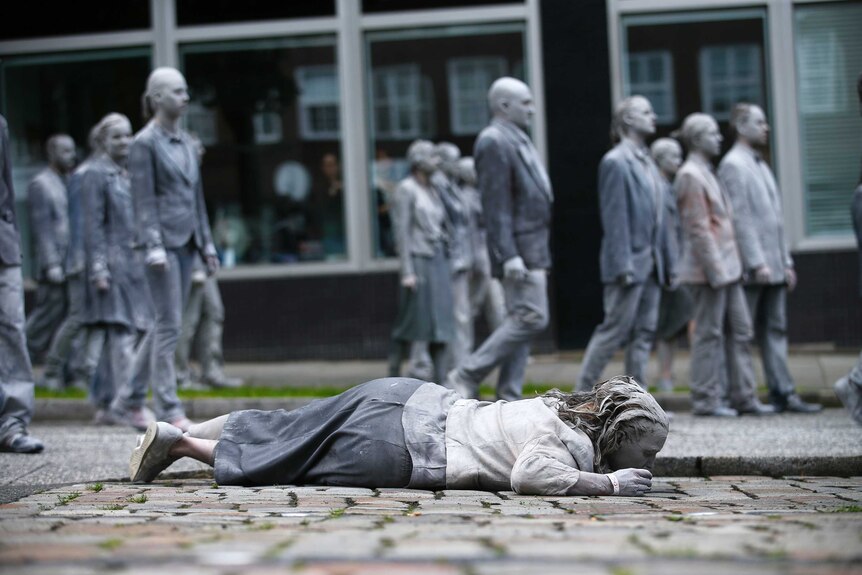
(354,149)
(164,22)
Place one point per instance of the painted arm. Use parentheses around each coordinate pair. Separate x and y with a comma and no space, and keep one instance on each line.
(695,216)
(539,470)
(616,227)
(94,198)
(42,221)
(145,196)
(735,182)
(495,186)
(404,200)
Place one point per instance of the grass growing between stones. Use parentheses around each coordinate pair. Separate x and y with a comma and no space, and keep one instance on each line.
(111,544)
(95,487)
(66,499)
(142,498)
(848,509)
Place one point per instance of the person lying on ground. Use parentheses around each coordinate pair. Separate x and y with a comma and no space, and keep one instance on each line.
(401,432)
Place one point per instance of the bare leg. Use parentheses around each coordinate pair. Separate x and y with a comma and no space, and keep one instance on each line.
(200,449)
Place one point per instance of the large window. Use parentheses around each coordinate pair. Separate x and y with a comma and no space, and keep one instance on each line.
(695,62)
(828,62)
(650,75)
(64,93)
(433,84)
(268,113)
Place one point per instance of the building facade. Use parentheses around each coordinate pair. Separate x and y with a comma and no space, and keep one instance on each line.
(306,110)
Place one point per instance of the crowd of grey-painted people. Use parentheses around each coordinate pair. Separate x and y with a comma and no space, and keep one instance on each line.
(124,262)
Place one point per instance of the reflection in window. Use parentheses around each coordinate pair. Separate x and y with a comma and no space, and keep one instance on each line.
(268,113)
(403,103)
(429,83)
(828,61)
(729,74)
(67,92)
(469,80)
(651,76)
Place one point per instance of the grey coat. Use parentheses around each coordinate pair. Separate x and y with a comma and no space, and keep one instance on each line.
(516,197)
(631,200)
(710,254)
(10,248)
(49,220)
(457,221)
(109,240)
(757,213)
(168,199)
(419,222)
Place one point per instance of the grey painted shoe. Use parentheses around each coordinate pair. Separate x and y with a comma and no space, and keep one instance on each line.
(151,456)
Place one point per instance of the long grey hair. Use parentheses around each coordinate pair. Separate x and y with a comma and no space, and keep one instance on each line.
(612,412)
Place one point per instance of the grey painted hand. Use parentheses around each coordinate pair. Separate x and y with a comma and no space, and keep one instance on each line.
(515,269)
(54,274)
(634,482)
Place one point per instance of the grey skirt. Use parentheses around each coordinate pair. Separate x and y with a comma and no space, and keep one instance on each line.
(353,439)
(427,312)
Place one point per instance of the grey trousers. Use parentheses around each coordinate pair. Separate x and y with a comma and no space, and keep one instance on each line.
(203,321)
(631,315)
(16,373)
(721,345)
(119,341)
(46,316)
(71,328)
(154,365)
(767,305)
(509,345)
(462,344)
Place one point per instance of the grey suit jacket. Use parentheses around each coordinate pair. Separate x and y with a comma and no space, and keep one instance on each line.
(169,201)
(631,200)
(710,254)
(516,197)
(48,206)
(419,222)
(757,213)
(457,221)
(10,247)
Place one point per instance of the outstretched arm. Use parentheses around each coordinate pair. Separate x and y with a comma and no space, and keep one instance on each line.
(545,467)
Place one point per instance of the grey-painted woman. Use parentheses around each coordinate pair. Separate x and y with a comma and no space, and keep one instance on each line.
(116,303)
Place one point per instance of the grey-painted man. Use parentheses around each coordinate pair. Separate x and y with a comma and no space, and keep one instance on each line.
(172,225)
(517,201)
(16,373)
(47,203)
(635,258)
(767,266)
(711,265)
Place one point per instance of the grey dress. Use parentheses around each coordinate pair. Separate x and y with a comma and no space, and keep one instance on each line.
(109,235)
(426,312)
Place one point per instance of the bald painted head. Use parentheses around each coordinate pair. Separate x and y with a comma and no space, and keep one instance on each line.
(511,99)
(166,94)
(700,134)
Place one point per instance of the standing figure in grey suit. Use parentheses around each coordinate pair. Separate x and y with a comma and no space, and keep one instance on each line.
(486,293)
(517,200)
(711,265)
(172,225)
(445,182)
(60,356)
(635,260)
(16,373)
(47,203)
(766,263)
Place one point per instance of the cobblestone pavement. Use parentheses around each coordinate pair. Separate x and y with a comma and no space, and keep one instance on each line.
(717,525)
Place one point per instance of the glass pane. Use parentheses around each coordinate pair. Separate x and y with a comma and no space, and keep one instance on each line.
(64,93)
(828,62)
(429,83)
(195,12)
(704,53)
(42,19)
(272,174)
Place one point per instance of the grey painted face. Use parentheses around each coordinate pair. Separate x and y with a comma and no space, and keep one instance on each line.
(640,116)
(670,159)
(117,141)
(640,451)
(755,128)
(63,154)
(708,140)
(512,100)
(171,94)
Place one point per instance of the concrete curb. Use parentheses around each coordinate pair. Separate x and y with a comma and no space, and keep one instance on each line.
(783,466)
